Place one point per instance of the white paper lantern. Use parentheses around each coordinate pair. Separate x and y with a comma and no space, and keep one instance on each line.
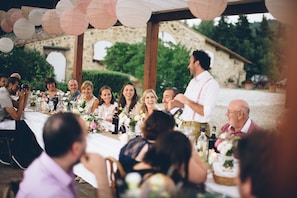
(51,22)
(63,5)
(207,9)
(35,17)
(133,13)
(23,29)
(6,45)
(98,16)
(283,10)
(74,22)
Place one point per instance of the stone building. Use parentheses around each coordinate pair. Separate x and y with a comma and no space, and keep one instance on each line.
(225,63)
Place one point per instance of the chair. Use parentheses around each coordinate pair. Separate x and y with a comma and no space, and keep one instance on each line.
(7,137)
(116,170)
(11,189)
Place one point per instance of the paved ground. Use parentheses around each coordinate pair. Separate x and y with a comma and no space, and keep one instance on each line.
(265,107)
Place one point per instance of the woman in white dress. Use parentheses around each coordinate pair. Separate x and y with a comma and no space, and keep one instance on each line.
(91,101)
(107,103)
(149,102)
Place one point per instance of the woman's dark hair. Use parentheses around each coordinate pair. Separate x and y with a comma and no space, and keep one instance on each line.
(157,123)
(122,99)
(203,58)
(49,81)
(101,101)
(170,151)
(60,131)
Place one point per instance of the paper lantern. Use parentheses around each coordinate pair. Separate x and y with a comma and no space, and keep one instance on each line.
(98,16)
(207,9)
(74,22)
(63,5)
(110,6)
(23,29)
(51,22)
(83,5)
(6,45)
(5,26)
(2,15)
(133,13)
(15,16)
(283,10)
(11,12)
(35,17)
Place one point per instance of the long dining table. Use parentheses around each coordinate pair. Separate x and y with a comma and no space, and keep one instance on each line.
(107,144)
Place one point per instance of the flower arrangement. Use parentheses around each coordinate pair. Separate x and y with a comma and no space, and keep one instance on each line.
(226,145)
(92,123)
(130,119)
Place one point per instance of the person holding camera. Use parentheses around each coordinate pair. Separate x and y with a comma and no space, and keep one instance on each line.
(10,122)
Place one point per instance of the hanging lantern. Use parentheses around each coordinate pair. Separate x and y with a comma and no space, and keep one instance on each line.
(35,17)
(6,45)
(51,22)
(110,6)
(283,10)
(64,5)
(98,16)
(2,15)
(83,5)
(5,26)
(133,13)
(74,22)
(11,12)
(207,9)
(15,16)
(23,29)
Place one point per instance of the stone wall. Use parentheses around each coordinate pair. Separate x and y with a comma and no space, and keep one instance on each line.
(223,65)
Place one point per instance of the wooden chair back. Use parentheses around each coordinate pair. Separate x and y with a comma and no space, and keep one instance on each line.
(11,189)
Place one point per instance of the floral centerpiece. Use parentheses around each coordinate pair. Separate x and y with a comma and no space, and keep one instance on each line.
(92,123)
(130,119)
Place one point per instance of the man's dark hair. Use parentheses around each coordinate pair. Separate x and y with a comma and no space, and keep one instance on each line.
(60,131)
(203,58)
(13,80)
(174,89)
(256,152)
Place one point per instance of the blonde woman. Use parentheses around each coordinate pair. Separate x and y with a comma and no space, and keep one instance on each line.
(87,95)
(148,102)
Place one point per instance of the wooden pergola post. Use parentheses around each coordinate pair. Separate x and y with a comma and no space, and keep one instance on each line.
(151,56)
(78,59)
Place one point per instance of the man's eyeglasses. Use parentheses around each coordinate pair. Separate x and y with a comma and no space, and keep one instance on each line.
(229,112)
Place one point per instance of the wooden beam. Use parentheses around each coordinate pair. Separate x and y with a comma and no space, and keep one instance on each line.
(78,59)
(151,56)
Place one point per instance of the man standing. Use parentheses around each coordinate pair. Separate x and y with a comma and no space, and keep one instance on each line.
(51,174)
(200,97)
(24,147)
(73,88)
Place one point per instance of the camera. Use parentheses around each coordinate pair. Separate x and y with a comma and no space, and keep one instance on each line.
(24,86)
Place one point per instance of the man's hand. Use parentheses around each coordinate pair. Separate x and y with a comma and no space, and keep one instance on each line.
(93,162)
(181,98)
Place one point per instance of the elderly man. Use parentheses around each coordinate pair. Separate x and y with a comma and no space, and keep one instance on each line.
(51,174)
(239,122)
(73,88)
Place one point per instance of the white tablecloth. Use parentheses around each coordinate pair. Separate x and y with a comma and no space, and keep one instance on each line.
(108,146)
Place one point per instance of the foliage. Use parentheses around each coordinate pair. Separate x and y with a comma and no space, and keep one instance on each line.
(171,66)
(32,66)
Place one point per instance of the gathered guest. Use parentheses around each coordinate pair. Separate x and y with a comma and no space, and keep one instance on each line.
(168,95)
(239,123)
(87,96)
(176,162)
(199,100)
(257,164)
(128,98)
(51,174)
(15,97)
(16,75)
(3,80)
(107,103)
(51,88)
(73,88)
(133,152)
(24,147)
(148,102)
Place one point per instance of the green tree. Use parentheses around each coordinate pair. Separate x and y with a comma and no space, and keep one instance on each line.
(206,28)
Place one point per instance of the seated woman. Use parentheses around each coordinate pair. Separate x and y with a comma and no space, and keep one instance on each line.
(148,102)
(167,158)
(52,91)
(128,99)
(107,103)
(87,96)
(133,152)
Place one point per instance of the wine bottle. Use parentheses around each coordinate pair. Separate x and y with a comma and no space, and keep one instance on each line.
(202,145)
(212,140)
(115,122)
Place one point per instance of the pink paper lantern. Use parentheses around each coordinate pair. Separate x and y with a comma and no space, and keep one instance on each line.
(51,22)
(2,15)
(98,16)
(133,13)
(283,10)
(11,12)
(83,5)
(110,6)
(63,5)
(15,16)
(5,26)
(207,9)
(74,22)
(23,29)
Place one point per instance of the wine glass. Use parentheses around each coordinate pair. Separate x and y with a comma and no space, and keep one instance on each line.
(51,106)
